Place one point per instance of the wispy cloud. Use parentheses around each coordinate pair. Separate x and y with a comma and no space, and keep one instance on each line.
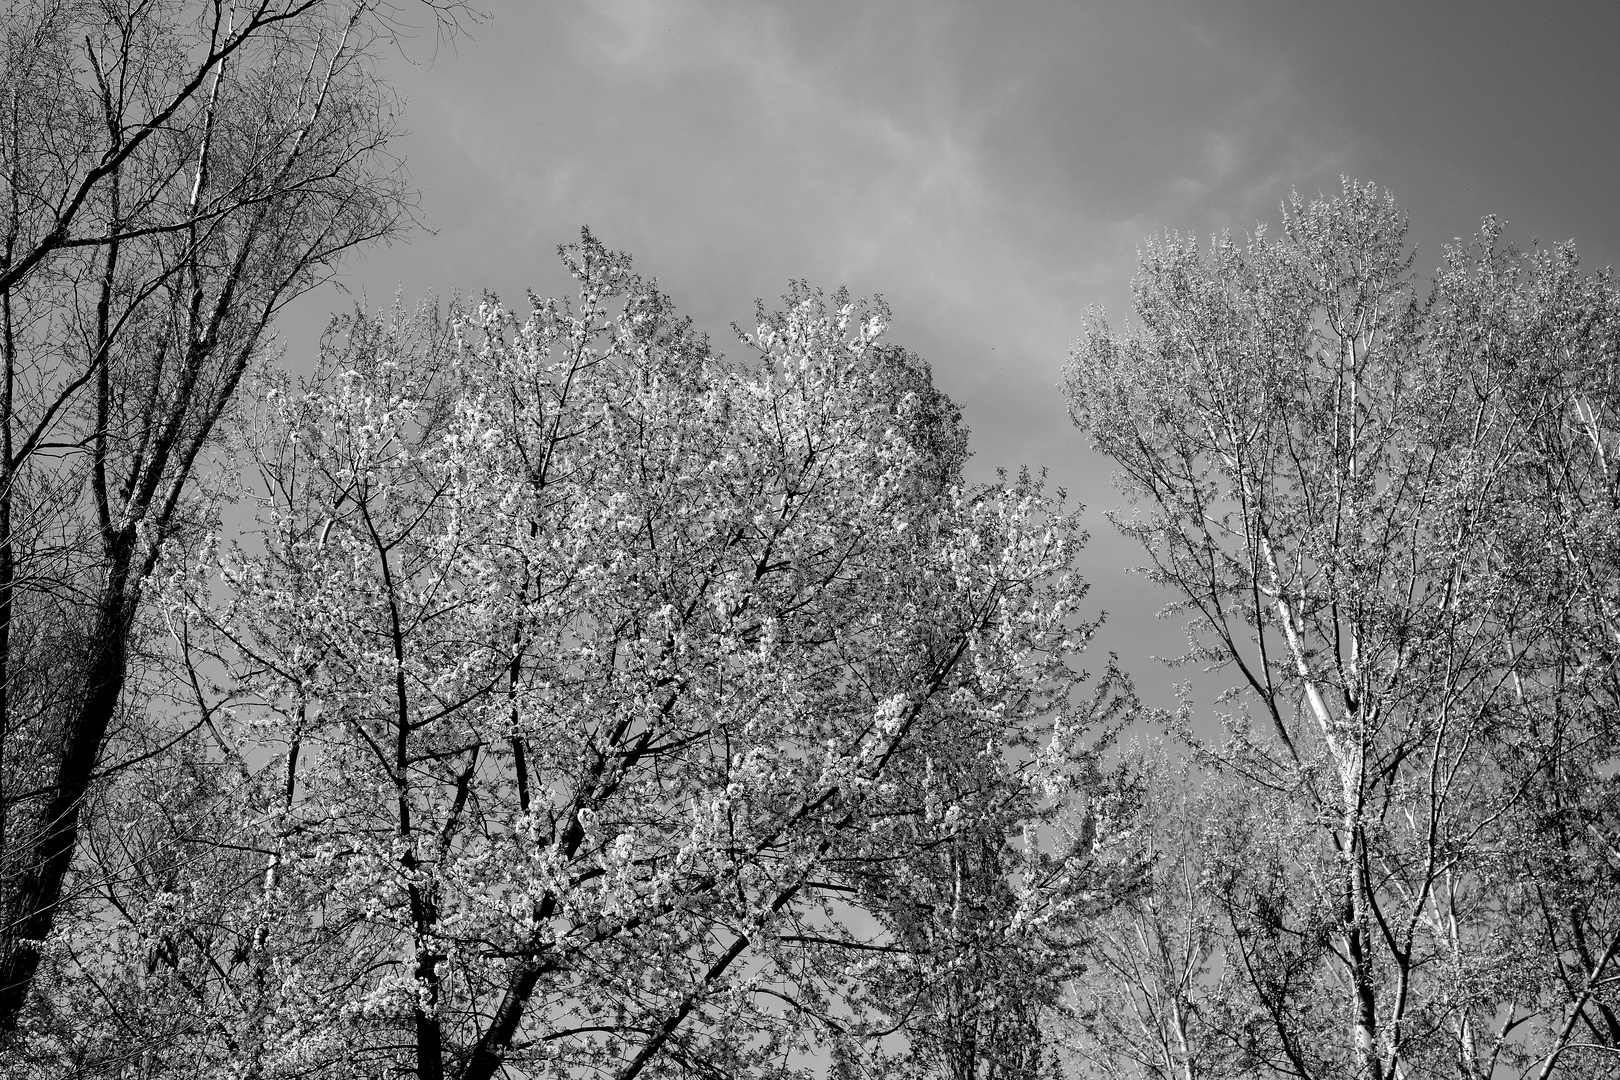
(990,168)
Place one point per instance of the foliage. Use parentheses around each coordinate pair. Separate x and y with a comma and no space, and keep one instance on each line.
(1393,521)
(171,175)
(631,711)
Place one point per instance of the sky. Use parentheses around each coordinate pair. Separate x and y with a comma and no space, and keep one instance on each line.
(988,168)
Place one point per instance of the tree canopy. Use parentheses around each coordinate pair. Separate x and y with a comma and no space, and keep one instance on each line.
(631,711)
(1392,519)
(538,692)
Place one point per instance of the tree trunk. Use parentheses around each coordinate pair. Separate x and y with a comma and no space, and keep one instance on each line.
(1364,1002)
(47,853)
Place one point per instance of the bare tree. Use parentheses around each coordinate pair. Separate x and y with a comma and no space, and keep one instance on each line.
(174,173)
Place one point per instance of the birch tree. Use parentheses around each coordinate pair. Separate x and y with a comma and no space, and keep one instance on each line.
(1380,514)
(1544,336)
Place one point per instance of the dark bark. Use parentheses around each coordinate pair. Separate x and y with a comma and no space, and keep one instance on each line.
(46,859)
(142,409)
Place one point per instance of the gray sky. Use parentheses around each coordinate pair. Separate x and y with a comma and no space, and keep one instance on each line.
(989,167)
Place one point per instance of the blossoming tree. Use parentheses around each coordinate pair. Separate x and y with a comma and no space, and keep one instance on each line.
(625,704)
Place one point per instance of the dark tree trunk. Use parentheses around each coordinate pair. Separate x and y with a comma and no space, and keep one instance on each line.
(46,848)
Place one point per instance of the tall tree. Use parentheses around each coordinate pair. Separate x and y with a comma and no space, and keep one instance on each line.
(1544,337)
(629,706)
(174,173)
(1391,519)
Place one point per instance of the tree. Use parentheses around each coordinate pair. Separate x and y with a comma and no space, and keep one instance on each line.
(174,174)
(1544,336)
(625,704)
(1391,519)
(992,924)
(1146,1001)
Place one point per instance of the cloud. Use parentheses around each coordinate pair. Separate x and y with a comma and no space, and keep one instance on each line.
(992,177)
